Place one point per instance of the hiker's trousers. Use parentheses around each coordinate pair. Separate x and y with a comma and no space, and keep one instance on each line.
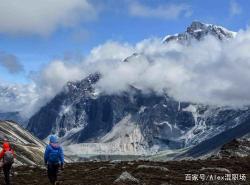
(6,171)
(52,171)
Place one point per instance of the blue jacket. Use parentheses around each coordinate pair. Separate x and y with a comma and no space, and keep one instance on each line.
(53,154)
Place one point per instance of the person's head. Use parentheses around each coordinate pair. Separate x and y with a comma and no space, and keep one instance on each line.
(53,139)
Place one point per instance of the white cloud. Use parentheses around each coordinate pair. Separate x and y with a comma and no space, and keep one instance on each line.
(110,51)
(235,8)
(208,71)
(42,17)
(163,11)
(50,80)
(17,97)
(29,98)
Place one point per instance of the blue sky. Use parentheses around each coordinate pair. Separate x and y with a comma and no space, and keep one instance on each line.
(33,34)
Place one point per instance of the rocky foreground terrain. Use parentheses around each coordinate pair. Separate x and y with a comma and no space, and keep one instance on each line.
(142,172)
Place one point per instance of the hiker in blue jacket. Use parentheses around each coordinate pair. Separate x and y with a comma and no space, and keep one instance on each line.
(53,158)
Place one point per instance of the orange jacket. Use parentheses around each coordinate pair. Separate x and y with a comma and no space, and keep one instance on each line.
(6,147)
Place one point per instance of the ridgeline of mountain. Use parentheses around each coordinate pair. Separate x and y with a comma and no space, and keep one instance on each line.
(132,122)
(28,149)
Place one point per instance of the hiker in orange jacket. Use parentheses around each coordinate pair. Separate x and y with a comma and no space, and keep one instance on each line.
(7,154)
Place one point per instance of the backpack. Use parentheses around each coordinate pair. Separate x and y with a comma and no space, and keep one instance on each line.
(8,157)
(54,156)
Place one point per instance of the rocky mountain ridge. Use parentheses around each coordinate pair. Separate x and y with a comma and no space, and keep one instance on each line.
(28,149)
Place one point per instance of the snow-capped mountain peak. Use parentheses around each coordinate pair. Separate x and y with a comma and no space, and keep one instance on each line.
(198,30)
